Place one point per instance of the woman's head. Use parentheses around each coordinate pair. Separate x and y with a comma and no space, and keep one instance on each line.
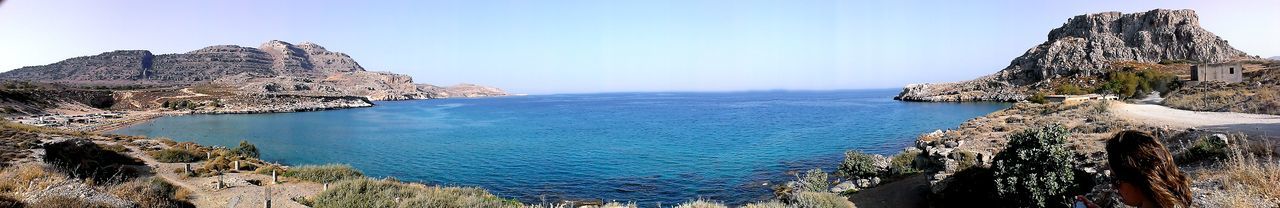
(1143,171)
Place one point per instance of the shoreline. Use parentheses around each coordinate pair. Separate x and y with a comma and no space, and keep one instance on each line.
(139,117)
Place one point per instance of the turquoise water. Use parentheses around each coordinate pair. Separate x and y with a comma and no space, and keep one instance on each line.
(644,147)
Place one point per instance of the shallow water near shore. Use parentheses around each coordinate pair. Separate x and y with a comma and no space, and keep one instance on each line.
(644,147)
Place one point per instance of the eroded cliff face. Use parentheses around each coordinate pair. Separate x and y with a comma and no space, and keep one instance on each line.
(1087,45)
(275,67)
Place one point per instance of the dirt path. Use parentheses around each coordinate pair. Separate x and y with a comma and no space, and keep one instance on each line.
(244,189)
(1156,115)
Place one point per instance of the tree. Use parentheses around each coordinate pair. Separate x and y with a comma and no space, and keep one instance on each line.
(246,149)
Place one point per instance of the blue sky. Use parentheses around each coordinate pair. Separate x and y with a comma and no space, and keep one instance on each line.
(542,47)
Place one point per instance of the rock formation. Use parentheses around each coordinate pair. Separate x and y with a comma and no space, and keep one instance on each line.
(275,67)
(1086,45)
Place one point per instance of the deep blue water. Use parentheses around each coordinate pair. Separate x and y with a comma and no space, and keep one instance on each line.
(643,147)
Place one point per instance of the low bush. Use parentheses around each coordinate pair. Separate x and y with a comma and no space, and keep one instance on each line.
(857,165)
(1070,89)
(1035,168)
(1037,98)
(266,169)
(814,180)
(176,156)
(152,192)
(324,173)
(820,200)
(902,164)
(365,192)
(768,204)
(83,159)
(1205,148)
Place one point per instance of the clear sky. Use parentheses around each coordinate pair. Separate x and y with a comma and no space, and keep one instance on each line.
(542,47)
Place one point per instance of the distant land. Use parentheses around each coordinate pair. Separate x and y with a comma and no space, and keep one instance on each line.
(277,76)
(1087,47)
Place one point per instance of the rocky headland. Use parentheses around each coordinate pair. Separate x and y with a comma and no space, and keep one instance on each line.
(1087,46)
(276,76)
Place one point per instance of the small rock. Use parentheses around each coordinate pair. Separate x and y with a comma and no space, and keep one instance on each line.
(864,183)
(843,186)
(1221,137)
(952,144)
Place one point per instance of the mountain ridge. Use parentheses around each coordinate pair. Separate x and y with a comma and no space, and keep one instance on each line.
(307,68)
(1086,45)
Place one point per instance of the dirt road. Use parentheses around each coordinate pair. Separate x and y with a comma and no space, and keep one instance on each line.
(1156,115)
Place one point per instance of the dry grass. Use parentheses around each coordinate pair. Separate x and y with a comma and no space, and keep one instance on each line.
(324,173)
(700,203)
(29,177)
(384,193)
(65,202)
(1256,175)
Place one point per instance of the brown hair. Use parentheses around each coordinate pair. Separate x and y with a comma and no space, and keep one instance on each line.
(1138,158)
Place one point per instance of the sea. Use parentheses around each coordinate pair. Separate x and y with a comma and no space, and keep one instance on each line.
(648,148)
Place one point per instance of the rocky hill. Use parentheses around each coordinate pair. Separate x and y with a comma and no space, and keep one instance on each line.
(1086,45)
(275,67)
(1277,58)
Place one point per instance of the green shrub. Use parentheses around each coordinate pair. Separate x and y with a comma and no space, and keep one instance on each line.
(965,159)
(1205,148)
(857,165)
(815,180)
(1123,84)
(820,200)
(1035,169)
(1157,81)
(324,173)
(380,193)
(902,164)
(1070,89)
(246,149)
(1038,98)
(176,156)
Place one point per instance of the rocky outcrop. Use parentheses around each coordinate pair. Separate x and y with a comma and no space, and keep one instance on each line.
(1087,45)
(275,67)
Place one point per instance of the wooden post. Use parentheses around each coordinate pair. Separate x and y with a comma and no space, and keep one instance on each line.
(274,179)
(267,193)
(187,171)
(220,180)
(237,167)
(208,156)
(326,187)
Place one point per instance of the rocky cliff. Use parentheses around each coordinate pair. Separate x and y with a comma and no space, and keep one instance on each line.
(1087,45)
(275,67)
